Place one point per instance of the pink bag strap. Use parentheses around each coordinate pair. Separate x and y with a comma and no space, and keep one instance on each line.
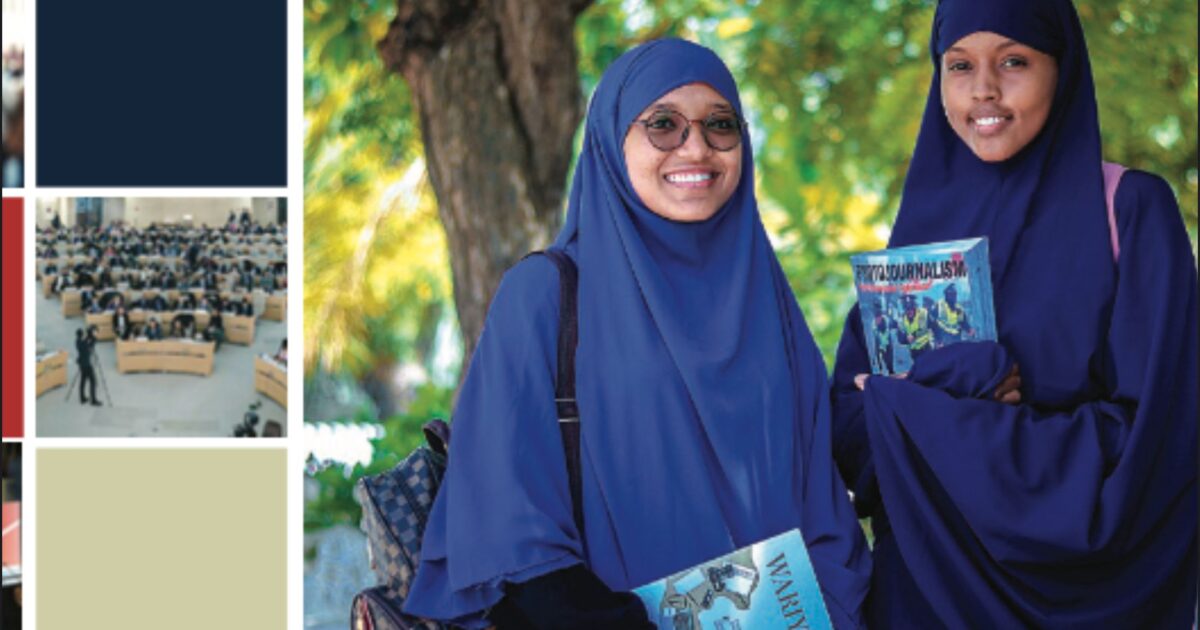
(1112,178)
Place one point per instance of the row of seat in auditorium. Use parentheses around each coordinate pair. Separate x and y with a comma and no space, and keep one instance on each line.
(131,276)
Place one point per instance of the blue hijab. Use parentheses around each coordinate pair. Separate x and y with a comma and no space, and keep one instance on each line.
(705,419)
(1042,210)
(1077,507)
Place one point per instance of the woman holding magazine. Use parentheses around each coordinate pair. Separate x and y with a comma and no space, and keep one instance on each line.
(1061,493)
(704,414)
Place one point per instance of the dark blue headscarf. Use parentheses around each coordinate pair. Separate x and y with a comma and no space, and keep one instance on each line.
(703,399)
(1042,210)
(1076,508)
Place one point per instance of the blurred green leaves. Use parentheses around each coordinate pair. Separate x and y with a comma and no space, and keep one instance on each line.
(375,258)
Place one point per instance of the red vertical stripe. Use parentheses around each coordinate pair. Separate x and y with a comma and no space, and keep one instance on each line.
(13,314)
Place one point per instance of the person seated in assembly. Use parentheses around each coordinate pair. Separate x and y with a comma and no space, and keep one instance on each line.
(245,307)
(281,354)
(158,303)
(211,282)
(51,269)
(122,327)
(153,330)
(87,300)
(216,330)
(246,280)
(187,302)
(63,281)
(110,300)
(183,326)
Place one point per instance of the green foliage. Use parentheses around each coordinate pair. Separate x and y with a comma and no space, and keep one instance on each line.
(334,502)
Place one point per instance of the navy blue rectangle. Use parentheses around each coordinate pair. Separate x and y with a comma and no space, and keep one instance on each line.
(154,93)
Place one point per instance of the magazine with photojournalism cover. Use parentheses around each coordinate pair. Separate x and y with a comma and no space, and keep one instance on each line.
(769,584)
(921,297)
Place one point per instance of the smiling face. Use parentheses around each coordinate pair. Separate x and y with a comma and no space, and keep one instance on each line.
(694,180)
(997,93)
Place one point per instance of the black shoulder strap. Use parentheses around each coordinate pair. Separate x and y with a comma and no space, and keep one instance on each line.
(564,383)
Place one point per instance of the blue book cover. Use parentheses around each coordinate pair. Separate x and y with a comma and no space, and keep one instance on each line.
(769,584)
(921,297)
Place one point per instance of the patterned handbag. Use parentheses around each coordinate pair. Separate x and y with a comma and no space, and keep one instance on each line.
(397,503)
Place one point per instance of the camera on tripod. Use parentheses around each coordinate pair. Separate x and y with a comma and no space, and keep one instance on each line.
(89,368)
(87,334)
(246,427)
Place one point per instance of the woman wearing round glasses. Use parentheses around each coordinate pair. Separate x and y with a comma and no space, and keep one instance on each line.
(702,398)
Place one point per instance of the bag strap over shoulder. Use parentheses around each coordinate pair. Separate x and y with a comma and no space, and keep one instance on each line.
(564,383)
(568,335)
(1112,179)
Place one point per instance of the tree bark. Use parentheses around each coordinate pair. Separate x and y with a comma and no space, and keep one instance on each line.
(497,89)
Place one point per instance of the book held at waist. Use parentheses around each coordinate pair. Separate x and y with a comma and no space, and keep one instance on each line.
(770,584)
(917,298)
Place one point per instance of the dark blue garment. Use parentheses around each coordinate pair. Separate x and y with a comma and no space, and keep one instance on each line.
(1076,508)
(706,422)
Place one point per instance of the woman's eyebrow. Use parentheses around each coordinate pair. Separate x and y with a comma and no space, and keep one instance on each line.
(673,106)
(1001,46)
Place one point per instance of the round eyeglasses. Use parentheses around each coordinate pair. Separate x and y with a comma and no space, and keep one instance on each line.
(668,130)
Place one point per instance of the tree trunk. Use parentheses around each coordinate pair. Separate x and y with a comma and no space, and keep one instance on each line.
(497,89)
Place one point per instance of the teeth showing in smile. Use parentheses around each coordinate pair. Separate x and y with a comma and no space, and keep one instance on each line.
(989,121)
(687,178)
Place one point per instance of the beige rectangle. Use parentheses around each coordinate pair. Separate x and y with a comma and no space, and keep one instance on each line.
(103,323)
(167,538)
(270,379)
(165,356)
(239,329)
(51,372)
(276,307)
(71,302)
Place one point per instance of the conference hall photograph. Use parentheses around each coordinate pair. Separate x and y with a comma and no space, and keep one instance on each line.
(161,317)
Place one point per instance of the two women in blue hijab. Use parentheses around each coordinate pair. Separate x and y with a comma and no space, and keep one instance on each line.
(705,416)
(1047,480)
